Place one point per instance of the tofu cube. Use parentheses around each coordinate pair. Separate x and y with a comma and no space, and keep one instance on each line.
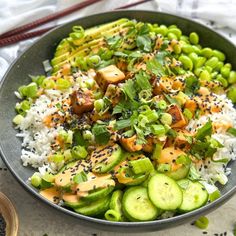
(81,102)
(109,75)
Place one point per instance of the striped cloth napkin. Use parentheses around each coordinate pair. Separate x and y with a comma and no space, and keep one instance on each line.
(218,14)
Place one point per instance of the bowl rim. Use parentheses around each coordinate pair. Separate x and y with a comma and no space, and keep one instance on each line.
(10,215)
(177,219)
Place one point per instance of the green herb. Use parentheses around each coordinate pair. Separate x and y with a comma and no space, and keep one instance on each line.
(194,174)
(202,149)
(80,177)
(78,139)
(114,42)
(120,54)
(232,131)
(155,67)
(121,124)
(170,99)
(142,80)
(129,89)
(144,29)
(191,85)
(144,43)
(183,159)
(205,130)
(102,135)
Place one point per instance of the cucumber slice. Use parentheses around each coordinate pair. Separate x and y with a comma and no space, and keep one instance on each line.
(98,193)
(194,195)
(180,173)
(137,206)
(106,158)
(94,208)
(164,192)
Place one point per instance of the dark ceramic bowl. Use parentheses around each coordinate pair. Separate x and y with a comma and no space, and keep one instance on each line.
(30,62)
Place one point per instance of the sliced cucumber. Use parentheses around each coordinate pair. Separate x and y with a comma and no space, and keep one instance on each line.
(105,158)
(194,195)
(98,193)
(137,206)
(164,192)
(180,173)
(95,208)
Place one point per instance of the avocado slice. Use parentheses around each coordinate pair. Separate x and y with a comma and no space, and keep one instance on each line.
(106,157)
(94,38)
(64,178)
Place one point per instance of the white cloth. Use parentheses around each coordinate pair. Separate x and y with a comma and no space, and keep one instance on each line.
(219,14)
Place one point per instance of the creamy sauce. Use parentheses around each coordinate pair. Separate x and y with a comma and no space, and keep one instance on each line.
(52,194)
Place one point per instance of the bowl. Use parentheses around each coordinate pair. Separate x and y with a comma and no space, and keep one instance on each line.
(30,63)
(8,212)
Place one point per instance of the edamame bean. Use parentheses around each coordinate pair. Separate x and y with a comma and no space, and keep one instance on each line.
(172,26)
(199,62)
(205,75)
(232,77)
(161,30)
(175,31)
(184,38)
(187,62)
(208,68)
(207,52)
(232,94)
(194,38)
(193,56)
(187,48)
(171,36)
(214,74)
(196,49)
(212,62)
(225,71)
(219,65)
(197,71)
(222,80)
(220,55)
(177,49)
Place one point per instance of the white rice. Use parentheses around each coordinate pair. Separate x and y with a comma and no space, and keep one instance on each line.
(217,171)
(37,137)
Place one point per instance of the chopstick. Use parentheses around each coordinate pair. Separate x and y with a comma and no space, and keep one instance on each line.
(17,35)
(49,18)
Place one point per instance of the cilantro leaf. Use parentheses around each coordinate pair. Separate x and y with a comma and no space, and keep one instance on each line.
(121,124)
(205,130)
(142,80)
(144,43)
(155,67)
(102,135)
(191,85)
(129,89)
(114,42)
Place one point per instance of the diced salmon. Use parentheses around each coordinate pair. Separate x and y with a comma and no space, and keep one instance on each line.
(109,75)
(181,140)
(178,120)
(130,144)
(191,105)
(81,102)
(149,145)
(169,156)
(168,84)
